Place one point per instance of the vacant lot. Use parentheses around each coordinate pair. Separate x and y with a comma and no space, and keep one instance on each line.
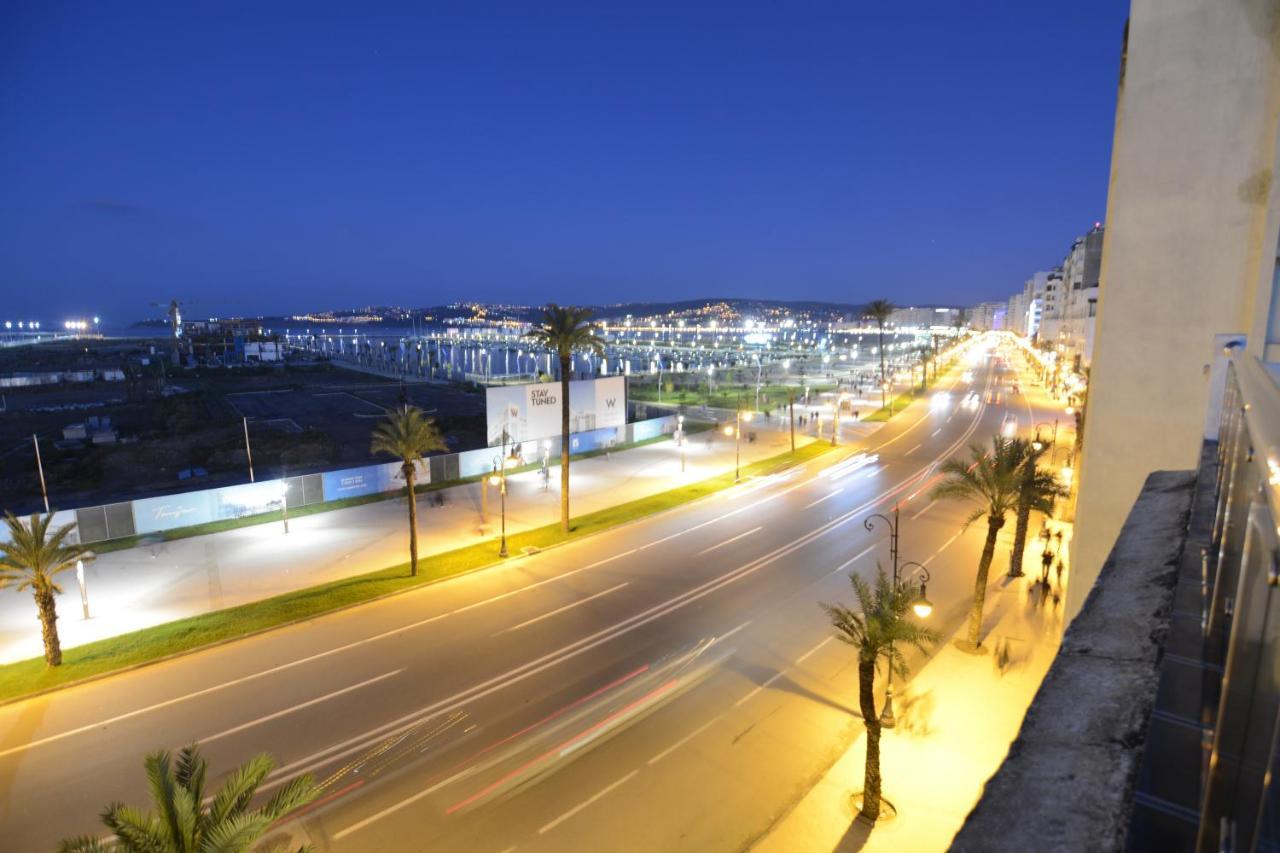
(301,418)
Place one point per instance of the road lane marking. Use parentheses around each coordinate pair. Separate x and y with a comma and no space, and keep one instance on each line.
(823,498)
(945,545)
(804,657)
(215,688)
(690,736)
(532,667)
(935,432)
(560,610)
(299,707)
(603,792)
(927,507)
(724,637)
(855,558)
(772,679)
(913,450)
(730,539)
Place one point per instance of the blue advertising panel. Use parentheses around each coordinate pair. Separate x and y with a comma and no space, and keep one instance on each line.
(353,482)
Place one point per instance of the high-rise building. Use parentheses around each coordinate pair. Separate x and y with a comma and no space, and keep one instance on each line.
(1189,255)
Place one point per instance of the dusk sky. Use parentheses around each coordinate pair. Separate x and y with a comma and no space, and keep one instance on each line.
(271,157)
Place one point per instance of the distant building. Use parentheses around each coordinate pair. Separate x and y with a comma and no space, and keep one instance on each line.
(988,316)
(925,317)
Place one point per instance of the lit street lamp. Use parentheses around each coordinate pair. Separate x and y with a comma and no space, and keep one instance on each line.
(920,603)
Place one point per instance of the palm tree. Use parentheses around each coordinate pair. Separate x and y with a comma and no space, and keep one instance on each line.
(881,310)
(992,480)
(878,630)
(408,435)
(30,559)
(565,330)
(185,824)
(1037,490)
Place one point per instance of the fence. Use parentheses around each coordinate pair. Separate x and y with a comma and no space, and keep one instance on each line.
(186,509)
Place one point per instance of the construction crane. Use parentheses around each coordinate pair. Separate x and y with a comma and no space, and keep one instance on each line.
(175,325)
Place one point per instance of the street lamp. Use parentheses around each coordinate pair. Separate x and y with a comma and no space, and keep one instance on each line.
(739,417)
(920,605)
(86,557)
(1039,445)
(680,439)
(284,503)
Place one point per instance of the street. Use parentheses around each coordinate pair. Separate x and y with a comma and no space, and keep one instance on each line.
(671,684)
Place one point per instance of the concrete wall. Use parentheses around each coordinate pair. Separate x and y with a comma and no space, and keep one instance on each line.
(1190,245)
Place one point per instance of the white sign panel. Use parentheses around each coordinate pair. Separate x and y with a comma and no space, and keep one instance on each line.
(530,412)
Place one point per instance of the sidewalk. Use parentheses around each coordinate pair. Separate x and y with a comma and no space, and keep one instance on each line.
(957,717)
(149,585)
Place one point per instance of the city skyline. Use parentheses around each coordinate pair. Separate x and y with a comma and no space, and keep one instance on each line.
(586,157)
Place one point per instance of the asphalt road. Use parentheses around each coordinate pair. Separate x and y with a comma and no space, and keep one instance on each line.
(669,685)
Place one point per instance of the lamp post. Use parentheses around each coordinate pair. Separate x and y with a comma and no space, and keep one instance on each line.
(44,491)
(88,556)
(921,604)
(1038,445)
(680,439)
(248,451)
(284,503)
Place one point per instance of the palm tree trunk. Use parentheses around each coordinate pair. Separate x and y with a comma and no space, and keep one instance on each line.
(49,626)
(1019,539)
(884,391)
(564,444)
(413,519)
(867,703)
(980,585)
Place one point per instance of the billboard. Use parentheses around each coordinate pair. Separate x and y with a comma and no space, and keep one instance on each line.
(152,515)
(531,412)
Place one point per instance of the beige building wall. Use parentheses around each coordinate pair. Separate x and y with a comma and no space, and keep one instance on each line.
(1189,250)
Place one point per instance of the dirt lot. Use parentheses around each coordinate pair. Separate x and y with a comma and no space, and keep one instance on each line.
(301,418)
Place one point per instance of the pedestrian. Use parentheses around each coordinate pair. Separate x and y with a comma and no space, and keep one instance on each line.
(1046,561)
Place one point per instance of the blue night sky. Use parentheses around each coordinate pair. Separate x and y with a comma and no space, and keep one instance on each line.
(274,157)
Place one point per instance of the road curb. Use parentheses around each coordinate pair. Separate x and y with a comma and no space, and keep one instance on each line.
(89,679)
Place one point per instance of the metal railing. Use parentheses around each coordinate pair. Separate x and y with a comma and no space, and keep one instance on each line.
(1240,809)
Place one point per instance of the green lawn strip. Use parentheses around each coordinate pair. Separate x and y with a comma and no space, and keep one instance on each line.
(208,527)
(183,635)
(723,398)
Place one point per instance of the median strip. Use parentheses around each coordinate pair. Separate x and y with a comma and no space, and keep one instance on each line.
(126,651)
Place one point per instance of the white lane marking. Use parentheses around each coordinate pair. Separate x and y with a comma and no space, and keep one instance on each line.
(945,545)
(520,673)
(824,497)
(855,558)
(560,610)
(927,507)
(730,539)
(690,736)
(912,450)
(298,707)
(774,678)
(721,639)
(511,849)
(936,431)
(603,792)
(952,415)
(804,657)
(215,688)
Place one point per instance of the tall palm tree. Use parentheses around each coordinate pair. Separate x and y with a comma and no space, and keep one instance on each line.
(185,824)
(992,480)
(1038,488)
(565,329)
(408,435)
(878,630)
(881,310)
(30,559)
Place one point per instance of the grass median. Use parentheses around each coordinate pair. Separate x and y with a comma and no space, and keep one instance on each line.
(183,635)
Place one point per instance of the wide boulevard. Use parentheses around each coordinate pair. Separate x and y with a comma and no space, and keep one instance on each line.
(671,684)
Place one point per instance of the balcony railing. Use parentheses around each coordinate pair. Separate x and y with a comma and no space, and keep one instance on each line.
(1241,620)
